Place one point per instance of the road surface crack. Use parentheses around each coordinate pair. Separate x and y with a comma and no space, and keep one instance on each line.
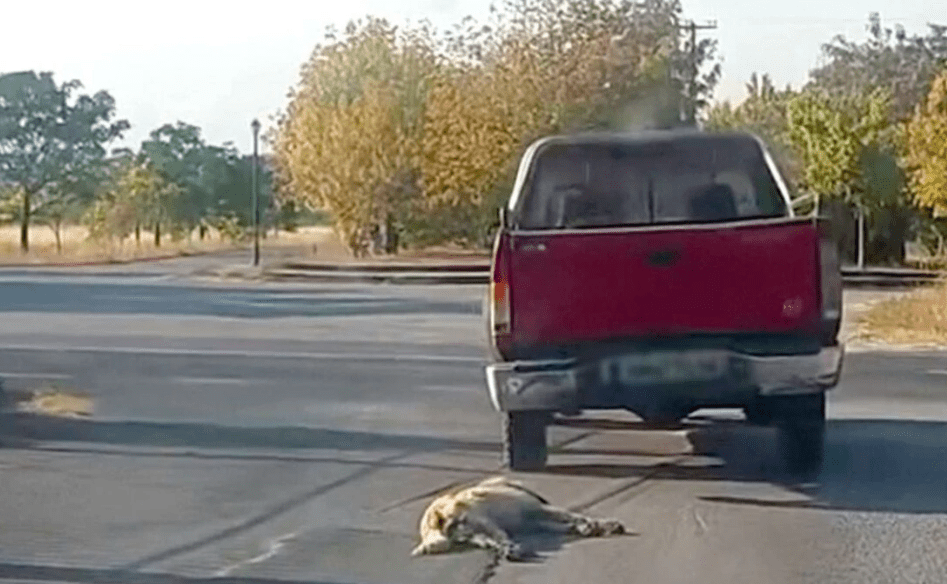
(625,486)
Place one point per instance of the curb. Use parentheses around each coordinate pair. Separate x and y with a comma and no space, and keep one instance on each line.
(468,267)
(118,262)
(479,274)
(379,277)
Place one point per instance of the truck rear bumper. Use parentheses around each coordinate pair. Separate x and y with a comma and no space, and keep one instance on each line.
(723,378)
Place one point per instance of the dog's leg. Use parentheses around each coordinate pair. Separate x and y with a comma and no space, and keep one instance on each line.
(581,525)
(484,533)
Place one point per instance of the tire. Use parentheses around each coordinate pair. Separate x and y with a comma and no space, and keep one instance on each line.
(573,413)
(760,412)
(801,424)
(524,440)
(668,416)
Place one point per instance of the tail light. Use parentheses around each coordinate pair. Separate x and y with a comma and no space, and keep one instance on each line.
(831,282)
(500,325)
(500,286)
(500,308)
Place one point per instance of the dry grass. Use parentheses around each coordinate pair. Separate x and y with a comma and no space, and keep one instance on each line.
(918,318)
(316,243)
(78,248)
(56,402)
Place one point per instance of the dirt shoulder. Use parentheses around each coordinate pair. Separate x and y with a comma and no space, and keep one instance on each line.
(915,319)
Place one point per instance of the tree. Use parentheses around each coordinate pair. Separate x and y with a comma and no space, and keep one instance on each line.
(407,131)
(349,141)
(763,113)
(847,146)
(64,206)
(214,182)
(904,66)
(50,137)
(833,134)
(542,67)
(926,149)
(230,181)
(137,194)
(889,59)
(179,153)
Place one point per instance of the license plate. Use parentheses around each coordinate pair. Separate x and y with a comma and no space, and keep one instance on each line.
(664,367)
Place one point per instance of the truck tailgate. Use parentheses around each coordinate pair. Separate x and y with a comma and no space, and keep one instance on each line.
(751,277)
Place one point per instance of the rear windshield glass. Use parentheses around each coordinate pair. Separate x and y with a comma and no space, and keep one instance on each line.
(682,180)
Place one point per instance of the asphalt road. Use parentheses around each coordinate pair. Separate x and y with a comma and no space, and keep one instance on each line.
(272,433)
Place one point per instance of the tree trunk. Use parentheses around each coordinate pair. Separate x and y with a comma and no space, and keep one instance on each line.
(138,234)
(202,231)
(57,232)
(861,238)
(25,223)
(157,234)
(391,235)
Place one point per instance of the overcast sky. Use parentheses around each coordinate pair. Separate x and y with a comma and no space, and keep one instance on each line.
(218,65)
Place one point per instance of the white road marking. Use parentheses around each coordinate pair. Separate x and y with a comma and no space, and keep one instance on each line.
(252,354)
(273,547)
(34,375)
(937,372)
(132,298)
(701,524)
(214,380)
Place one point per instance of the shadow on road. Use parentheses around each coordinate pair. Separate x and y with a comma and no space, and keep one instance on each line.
(31,427)
(538,548)
(86,298)
(871,465)
(40,573)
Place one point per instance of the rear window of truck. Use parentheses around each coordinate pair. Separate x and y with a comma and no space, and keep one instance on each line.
(700,179)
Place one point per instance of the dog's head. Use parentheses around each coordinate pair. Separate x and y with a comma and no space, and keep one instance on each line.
(439,531)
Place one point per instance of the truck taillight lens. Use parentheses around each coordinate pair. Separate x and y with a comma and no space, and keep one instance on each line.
(831,280)
(500,315)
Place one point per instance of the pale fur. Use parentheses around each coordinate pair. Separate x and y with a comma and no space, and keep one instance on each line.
(487,514)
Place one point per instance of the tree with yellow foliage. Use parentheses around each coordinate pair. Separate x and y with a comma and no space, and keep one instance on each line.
(349,140)
(137,194)
(542,67)
(926,149)
(401,126)
(762,113)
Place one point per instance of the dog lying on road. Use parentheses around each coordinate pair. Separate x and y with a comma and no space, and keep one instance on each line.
(486,514)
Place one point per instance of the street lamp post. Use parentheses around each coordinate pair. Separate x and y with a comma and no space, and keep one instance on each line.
(255,126)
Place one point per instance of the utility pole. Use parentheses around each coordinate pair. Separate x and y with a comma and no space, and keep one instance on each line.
(691,97)
(255,126)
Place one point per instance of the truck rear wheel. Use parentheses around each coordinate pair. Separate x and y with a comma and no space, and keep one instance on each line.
(759,412)
(524,440)
(801,424)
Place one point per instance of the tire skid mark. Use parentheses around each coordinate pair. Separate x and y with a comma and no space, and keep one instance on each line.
(58,574)
(625,486)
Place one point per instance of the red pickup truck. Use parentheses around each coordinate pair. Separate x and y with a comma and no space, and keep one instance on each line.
(661,273)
